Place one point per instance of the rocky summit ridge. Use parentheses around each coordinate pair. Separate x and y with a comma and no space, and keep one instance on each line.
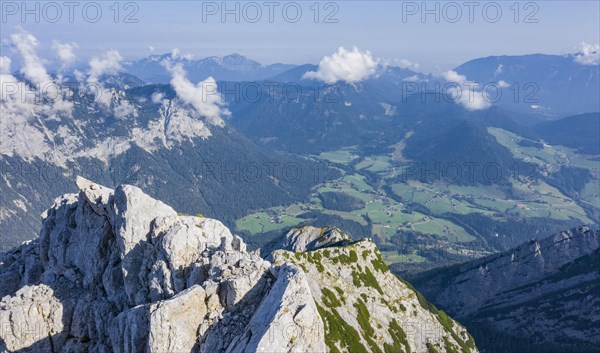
(118,271)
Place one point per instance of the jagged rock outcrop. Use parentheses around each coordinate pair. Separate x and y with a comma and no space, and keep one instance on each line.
(117,271)
(303,239)
(365,307)
(542,296)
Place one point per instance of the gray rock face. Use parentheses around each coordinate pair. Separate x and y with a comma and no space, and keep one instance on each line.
(363,304)
(290,312)
(32,311)
(304,239)
(117,271)
(543,293)
(133,215)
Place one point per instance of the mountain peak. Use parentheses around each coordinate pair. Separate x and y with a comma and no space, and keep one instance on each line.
(235,56)
(232,67)
(114,269)
(307,238)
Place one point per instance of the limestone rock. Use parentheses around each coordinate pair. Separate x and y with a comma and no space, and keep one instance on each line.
(306,238)
(117,271)
(362,303)
(133,219)
(174,322)
(287,319)
(29,316)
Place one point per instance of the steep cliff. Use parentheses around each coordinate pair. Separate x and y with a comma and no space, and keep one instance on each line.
(543,296)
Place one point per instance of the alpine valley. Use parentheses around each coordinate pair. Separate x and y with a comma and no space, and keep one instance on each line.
(222,205)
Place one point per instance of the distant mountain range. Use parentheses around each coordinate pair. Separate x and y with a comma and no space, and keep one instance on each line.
(165,137)
(542,296)
(163,145)
(545,85)
(375,116)
(232,67)
(536,86)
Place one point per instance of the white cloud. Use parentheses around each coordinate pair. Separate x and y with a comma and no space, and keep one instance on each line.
(471,99)
(65,52)
(176,55)
(123,109)
(589,54)
(499,70)
(465,92)
(203,96)
(5,65)
(151,48)
(454,77)
(349,66)
(33,67)
(157,97)
(109,64)
(48,100)
(6,78)
(503,84)
(405,64)
(413,78)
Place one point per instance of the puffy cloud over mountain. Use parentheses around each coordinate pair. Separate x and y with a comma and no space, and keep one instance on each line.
(344,65)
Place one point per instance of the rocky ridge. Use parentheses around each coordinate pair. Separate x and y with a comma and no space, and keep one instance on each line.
(118,271)
(542,296)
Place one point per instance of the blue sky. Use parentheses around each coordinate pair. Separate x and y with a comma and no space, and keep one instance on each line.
(389,29)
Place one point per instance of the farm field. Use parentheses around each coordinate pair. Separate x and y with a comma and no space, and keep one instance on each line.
(387,214)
